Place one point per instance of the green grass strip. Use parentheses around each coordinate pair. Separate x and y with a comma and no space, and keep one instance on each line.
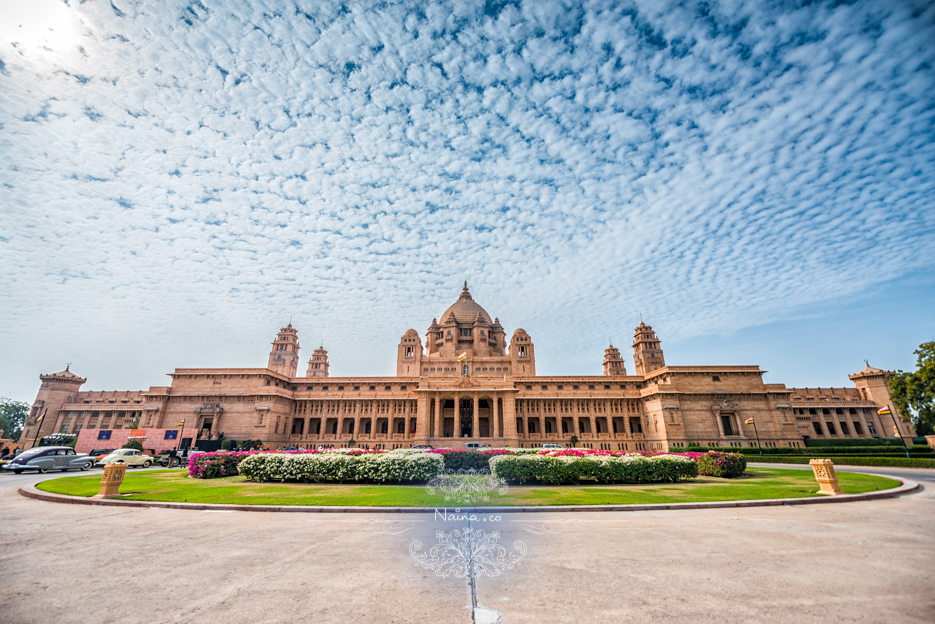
(175,486)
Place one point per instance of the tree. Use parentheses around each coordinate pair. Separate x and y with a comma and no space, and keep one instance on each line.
(573,440)
(913,394)
(133,444)
(12,417)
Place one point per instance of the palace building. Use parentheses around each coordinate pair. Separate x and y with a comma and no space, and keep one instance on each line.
(470,383)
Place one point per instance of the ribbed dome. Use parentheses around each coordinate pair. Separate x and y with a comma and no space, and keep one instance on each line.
(465,309)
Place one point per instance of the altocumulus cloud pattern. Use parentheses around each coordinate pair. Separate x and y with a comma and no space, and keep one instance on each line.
(177,174)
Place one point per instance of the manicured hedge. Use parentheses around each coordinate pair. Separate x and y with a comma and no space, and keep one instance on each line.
(724,465)
(816,451)
(843,460)
(364,467)
(855,442)
(462,459)
(602,468)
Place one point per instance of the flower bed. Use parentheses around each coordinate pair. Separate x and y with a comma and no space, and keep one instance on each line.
(602,468)
(391,466)
(717,464)
(216,464)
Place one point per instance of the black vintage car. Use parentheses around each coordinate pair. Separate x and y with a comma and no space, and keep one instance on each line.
(46,458)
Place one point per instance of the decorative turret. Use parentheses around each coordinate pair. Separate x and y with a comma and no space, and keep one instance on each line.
(318,365)
(284,358)
(409,355)
(522,354)
(647,352)
(613,363)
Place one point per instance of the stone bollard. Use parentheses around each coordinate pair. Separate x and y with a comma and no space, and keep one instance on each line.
(112,480)
(824,474)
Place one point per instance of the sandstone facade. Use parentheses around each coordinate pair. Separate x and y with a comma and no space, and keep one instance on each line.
(467,383)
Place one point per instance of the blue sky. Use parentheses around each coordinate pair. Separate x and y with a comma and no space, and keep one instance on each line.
(179,179)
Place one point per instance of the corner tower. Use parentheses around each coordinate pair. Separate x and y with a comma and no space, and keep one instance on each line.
(284,358)
(613,363)
(318,365)
(56,390)
(647,352)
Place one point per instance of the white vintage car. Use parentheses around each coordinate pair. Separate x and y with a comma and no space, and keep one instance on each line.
(46,458)
(130,457)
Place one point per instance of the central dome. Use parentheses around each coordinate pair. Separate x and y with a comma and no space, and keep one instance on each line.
(465,309)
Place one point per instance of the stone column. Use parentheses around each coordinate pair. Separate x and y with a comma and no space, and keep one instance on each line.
(575,415)
(475,412)
(356,435)
(373,421)
(495,416)
(439,419)
(592,406)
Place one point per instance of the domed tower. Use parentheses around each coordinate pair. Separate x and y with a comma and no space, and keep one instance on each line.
(56,390)
(284,358)
(522,354)
(409,355)
(647,352)
(318,365)
(613,363)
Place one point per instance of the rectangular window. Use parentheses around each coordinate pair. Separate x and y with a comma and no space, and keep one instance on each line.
(830,426)
(857,428)
(103,434)
(871,428)
(728,424)
(715,378)
(817,426)
(844,430)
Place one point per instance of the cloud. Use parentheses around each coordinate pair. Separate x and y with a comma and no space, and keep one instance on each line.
(178,179)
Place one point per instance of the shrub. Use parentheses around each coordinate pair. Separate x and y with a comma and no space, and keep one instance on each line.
(724,465)
(364,466)
(226,445)
(216,464)
(602,468)
(461,459)
(134,444)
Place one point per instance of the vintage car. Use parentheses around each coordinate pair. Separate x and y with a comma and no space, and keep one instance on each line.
(131,457)
(46,458)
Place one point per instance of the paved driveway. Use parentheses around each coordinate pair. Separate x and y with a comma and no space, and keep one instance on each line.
(857,562)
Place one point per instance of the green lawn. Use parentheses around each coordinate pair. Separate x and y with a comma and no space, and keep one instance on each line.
(175,486)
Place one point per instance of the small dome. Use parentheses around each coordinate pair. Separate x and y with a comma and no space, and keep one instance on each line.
(465,309)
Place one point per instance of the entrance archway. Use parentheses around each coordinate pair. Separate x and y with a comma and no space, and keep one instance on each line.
(466,412)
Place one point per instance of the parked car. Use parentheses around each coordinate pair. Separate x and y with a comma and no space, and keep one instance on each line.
(476,445)
(552,446)
(101,452)
(424,447)
(46,458)
(131,457)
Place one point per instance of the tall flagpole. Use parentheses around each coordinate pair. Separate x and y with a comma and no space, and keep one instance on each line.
(896,427)
(757,433)
(39,427)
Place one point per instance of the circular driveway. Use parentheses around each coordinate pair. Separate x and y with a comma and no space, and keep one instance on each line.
(868,561)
